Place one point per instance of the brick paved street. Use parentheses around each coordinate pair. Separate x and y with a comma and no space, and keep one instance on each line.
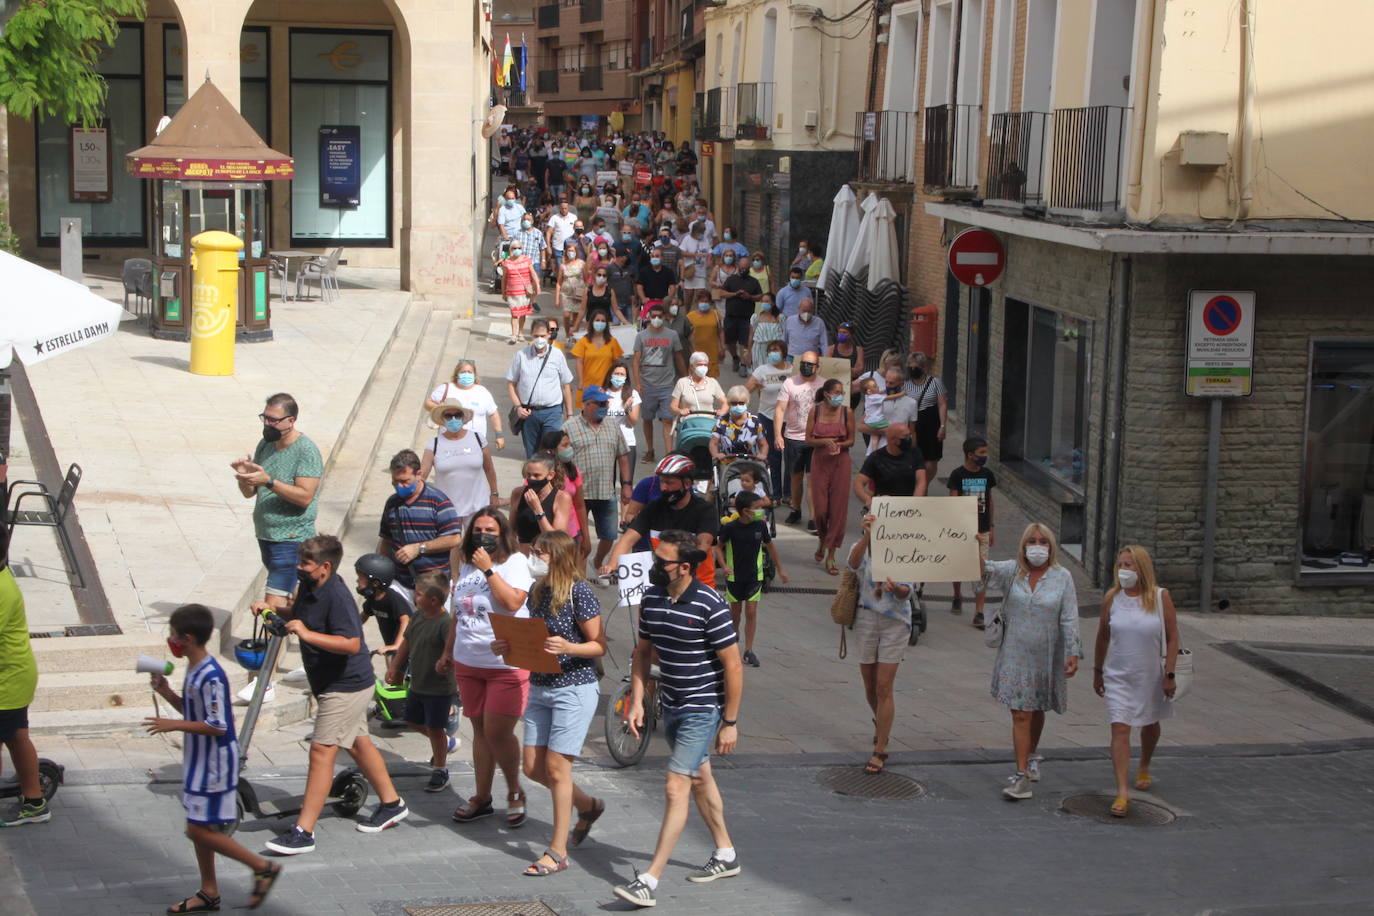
(1255,833)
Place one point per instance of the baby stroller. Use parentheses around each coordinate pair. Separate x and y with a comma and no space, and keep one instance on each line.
(692,437)
(498,254)
(728,471)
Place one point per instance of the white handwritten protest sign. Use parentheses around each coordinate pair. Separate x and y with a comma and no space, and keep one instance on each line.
(632,576)
(925,539)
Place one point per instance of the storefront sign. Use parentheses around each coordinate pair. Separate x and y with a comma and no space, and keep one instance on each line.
(708,148)
(90,165)
(173,168)
(340,172)
(925,539)
(1221,343)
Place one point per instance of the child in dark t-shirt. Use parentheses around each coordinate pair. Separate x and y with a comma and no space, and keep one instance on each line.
(740,543)
(972,478)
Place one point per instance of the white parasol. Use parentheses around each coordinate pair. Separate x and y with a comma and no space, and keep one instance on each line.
(43,314)
(844,224)
(884,266)
(861,244)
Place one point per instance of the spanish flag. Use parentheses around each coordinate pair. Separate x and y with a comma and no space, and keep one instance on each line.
(507,61)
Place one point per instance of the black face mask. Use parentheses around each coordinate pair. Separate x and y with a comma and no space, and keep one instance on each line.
(672,497)
(535,485)
(367,591)
(485,540)
(306,580)
(807,370)
(658,574)
(917,372)
(270,433)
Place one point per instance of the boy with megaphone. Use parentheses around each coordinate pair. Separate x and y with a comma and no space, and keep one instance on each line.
(210,761)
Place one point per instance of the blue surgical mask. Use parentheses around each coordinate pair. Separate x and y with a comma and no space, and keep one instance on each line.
(737,410)
(600,412)
(407,491)
(618,381)
(836,400)
(565,454)
(626,236)
(467,379)
(794,283)
(454,424)
(654,262)
(598,326)
(774,357)
(509,202)
(728,236)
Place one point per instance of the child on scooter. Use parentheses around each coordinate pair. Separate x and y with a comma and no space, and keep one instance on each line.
(430,695)
(18,682)
(380,600)
(740,543)
(210,760)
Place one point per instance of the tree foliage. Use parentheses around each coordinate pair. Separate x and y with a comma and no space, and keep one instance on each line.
(49,52)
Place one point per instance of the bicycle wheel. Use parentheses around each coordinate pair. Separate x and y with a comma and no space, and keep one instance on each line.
(624,746)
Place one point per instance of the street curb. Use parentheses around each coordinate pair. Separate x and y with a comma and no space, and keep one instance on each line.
(1247,653)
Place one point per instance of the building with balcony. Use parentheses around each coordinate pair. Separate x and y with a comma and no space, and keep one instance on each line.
(1164,177)
(781,86)
(671,37)
(515,18)
(581,62)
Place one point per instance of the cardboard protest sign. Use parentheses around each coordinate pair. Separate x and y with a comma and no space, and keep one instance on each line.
(526,636)
(925,539)
(834,367)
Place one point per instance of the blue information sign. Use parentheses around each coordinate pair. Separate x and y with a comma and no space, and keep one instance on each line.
(340,171)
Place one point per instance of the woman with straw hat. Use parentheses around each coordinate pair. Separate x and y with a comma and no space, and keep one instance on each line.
(459,458)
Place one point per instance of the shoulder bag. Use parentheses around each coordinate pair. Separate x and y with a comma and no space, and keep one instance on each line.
(513,419)
(845,605)
(994,629)
(1183,665)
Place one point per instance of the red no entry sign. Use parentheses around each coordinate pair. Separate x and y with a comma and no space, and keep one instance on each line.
(1221,315)
(976,257)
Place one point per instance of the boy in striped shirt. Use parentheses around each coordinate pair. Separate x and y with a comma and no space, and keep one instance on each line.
(210,759)
(701,681)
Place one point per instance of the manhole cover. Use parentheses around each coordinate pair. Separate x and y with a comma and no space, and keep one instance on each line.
(853,781)
(522,908)
(1098,807)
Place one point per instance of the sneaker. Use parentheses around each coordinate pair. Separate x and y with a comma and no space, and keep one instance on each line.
(1018,787)
(28,813)
(750,658)
(292,843)
(636,892)
(438,781)
(385,816)
(793,517)
(957,606)
(736,366)
(453,743)
(811,525)
(978,621)
(713,869)
(1033,767)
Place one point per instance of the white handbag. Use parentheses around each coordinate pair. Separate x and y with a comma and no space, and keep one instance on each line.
(1183,665)
(992,631)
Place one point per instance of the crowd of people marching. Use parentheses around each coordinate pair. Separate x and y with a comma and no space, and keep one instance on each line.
(648,445)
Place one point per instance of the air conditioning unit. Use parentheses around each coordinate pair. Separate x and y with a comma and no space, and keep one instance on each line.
(1203,148)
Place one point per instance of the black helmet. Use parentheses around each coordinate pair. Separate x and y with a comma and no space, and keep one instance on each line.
(379,570)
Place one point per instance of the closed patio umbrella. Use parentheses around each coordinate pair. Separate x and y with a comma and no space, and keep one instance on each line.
(43,314)
(844,223)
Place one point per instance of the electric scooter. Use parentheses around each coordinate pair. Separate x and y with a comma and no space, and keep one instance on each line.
(50,776)
(350,788)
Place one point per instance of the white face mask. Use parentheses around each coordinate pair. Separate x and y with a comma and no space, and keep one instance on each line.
(700,371)
(1127,577)
(538,566)
(1037,555)
(540,343)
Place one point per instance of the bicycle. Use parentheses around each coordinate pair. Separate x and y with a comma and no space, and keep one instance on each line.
(625,748)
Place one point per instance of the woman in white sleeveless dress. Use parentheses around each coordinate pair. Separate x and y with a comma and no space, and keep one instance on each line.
(1137,648)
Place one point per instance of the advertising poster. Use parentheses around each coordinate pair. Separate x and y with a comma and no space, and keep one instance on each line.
(340,167)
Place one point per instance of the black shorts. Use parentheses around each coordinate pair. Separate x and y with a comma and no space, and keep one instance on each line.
(428,710)
(13,721)
(737,330)
(743,591)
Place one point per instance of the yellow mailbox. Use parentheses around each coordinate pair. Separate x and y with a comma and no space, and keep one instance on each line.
(214,302)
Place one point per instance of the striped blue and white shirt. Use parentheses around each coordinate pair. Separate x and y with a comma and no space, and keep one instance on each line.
(689,634)
(210,763)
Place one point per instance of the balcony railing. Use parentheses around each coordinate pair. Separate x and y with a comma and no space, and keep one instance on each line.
(547,16)
(709,127)
(1016,156)
(591,10)
(1089,154)
(589,79)
(753,111)
(887,145)
(548,82)
(950,134)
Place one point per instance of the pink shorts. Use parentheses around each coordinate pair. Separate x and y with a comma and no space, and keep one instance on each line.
(502,691)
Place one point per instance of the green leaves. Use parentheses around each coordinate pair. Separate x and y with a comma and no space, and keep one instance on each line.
(49,53)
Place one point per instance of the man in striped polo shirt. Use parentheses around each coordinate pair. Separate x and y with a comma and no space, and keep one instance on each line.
(419,525)
(701,681)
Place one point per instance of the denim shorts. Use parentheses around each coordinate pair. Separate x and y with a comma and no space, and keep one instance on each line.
(656,403)
(558,717)
(690,734)
(280,559)
(604,513)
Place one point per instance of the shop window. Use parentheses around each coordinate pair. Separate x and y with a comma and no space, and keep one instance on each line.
(99,191)
(1044,392)
(1338,474)
(341,137)
(253,76)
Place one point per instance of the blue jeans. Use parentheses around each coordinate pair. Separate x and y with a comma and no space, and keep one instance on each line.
(604,513)
(539,422)
(279,558)
(690,734)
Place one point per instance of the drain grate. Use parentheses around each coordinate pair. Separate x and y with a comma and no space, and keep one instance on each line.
(522,908)
(854,782)
(799,590)
(1098,807)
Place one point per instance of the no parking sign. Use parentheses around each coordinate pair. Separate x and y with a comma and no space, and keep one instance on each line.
(1221,343)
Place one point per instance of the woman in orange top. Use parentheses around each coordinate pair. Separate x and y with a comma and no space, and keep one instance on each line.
(708,331)
(595,353)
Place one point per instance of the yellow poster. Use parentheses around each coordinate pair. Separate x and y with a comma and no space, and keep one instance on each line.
(925,539)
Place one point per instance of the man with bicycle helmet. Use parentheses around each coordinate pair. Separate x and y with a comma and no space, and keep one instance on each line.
(677,506)
(380,600)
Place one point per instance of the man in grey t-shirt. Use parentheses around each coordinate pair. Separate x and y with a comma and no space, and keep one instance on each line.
(656,367)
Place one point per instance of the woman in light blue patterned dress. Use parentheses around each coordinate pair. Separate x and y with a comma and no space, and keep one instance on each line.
(1040,646)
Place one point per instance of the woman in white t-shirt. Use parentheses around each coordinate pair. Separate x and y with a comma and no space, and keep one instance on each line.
(492,577)
(458,456)
(466,388)
(623,407)
(767,379)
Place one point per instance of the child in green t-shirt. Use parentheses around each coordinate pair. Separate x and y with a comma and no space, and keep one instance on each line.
(429,699)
